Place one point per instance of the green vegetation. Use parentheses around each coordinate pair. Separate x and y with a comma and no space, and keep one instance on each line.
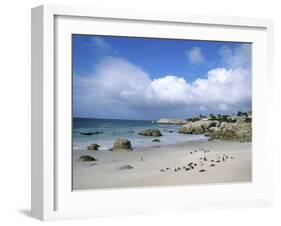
(224,118)
(193,119)
(239,113)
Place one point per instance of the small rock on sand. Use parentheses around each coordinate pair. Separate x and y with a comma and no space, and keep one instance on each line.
(93,147)
(126,167)
(87,158)
(202,170)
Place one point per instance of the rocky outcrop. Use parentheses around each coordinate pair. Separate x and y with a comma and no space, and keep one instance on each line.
(239,130)
(93,147)
(121,144)
(233,131)
(87,158)
(151,132)
(198,127)
(172,121)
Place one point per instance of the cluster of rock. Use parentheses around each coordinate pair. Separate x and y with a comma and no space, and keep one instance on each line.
(232,131)
(198,127)
(171,121)
(239,130)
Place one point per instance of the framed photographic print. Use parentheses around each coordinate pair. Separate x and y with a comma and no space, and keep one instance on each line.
(137,113)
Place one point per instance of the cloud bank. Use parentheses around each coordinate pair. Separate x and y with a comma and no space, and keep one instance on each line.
(120,89)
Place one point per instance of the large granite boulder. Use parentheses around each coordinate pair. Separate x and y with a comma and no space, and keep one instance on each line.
(188,129)
(223,125)
(121,144)
(198,127)
(172,121)
(208,123)
(213,129)
(243,131)
(151,132)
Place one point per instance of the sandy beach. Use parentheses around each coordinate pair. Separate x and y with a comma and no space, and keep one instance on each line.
(192,162)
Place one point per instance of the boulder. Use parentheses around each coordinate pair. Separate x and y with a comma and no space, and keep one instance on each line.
(93,147)
(223,125)
(172,121)
(121,144)
(186,128)
(87,158)
(151,132)
(206,124)
(197,127)
(243,130)
(213,129)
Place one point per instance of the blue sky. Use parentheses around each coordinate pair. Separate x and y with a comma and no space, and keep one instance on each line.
(148,78)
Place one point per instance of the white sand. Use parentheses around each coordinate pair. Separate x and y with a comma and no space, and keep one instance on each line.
(147,165)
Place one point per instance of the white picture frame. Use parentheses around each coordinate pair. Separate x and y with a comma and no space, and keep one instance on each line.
(52,197)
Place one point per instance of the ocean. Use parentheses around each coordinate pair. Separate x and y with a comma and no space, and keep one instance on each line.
(110,129)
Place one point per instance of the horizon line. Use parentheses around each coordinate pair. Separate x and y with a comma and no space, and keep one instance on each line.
(114,118)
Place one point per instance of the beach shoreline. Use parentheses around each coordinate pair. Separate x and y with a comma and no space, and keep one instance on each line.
(165,165)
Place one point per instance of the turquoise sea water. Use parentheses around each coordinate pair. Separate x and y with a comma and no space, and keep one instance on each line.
(111,129)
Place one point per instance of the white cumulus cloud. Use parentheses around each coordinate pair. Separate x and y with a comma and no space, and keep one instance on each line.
(120,88)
